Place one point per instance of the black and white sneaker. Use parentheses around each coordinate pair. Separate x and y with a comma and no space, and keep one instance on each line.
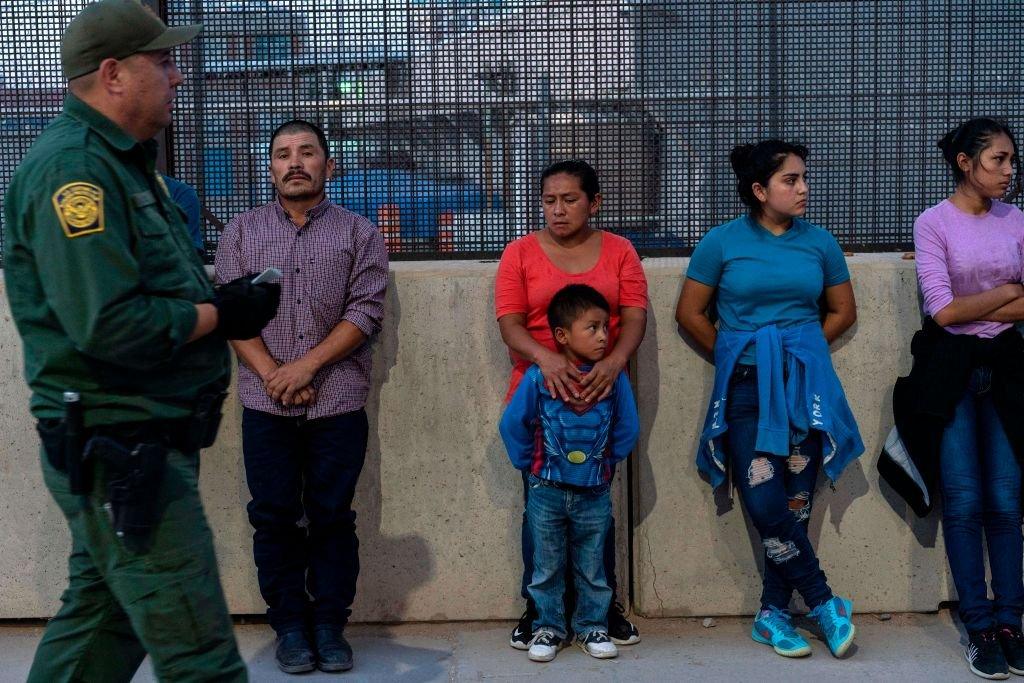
(545,645)
(598,644)
(1012,640)
(985,655)
(522,634)
(620,630)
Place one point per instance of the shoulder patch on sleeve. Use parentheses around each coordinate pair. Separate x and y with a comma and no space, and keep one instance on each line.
(79,207)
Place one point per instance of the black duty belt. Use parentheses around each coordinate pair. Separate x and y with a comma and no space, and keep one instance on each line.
(67,443)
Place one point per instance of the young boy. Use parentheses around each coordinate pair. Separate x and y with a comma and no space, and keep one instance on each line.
(569,450)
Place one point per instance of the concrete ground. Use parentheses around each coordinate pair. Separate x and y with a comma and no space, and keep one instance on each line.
(906,648)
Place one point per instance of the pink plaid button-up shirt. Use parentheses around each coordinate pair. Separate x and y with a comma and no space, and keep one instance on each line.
(334,268)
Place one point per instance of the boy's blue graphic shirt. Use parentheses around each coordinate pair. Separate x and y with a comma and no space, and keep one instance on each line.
(560,443)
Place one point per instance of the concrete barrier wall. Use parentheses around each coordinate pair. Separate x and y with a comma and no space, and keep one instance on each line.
(439,506)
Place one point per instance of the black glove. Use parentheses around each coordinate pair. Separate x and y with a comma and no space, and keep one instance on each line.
(243,309)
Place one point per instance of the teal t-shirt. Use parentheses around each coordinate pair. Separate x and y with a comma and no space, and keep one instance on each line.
(764,279)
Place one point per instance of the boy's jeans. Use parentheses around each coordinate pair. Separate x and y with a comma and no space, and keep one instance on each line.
(527,550)
(577,521)
(777,492)
(981,483)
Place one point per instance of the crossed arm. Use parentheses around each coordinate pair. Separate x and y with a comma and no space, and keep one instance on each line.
(1004,304)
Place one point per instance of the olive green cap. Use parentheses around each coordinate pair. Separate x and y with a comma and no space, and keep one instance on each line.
(116,29)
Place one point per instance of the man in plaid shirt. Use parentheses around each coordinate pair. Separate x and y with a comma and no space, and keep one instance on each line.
(303,385)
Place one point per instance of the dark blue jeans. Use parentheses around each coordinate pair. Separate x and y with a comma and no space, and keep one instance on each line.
(527,548)
(304,468)
(981,490)
(571,523)
(777,492)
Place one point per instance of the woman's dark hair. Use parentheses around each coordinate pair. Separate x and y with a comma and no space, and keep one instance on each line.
(972,137)
(572,301)
(757,164)
(578,168)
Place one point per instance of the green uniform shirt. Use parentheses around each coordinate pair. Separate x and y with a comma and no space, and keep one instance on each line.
(101,278)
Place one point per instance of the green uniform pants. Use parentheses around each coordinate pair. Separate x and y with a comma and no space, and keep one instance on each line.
(120,605)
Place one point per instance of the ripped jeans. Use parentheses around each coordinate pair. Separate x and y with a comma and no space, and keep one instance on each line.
(777,492)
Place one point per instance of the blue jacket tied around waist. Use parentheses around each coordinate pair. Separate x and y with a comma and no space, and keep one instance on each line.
(798,391)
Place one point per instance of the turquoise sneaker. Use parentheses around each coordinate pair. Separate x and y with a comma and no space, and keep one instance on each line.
(774,627)
(834,617)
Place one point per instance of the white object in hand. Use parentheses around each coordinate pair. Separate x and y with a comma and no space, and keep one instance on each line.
(269,275)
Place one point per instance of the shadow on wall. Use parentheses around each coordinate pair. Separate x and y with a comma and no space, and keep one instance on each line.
(394,565)
(839,496)
(926,529)
(504,480)
(640,469)
(642,479)
(650,384)
(505,483)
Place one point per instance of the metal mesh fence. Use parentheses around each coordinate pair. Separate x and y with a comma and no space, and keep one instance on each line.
(442,114)
(31,90)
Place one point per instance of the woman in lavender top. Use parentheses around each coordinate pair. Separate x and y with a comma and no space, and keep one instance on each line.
(969,265)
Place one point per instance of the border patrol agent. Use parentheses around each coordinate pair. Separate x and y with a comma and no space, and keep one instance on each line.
(125,353)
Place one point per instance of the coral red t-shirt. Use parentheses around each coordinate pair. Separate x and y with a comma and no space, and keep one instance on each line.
(527,281)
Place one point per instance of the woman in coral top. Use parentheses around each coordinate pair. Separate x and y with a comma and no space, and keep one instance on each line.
(568,250)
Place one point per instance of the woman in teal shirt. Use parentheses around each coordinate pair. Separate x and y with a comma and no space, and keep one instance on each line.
(769,270)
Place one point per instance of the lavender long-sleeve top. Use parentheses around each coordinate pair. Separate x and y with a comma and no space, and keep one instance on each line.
(959,254)
(335,268)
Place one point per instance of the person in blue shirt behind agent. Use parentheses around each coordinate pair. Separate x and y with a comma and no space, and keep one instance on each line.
(777,413)
(186,197)
(569,509)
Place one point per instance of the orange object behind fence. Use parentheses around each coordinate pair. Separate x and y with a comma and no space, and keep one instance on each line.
(445,233)
(389,223)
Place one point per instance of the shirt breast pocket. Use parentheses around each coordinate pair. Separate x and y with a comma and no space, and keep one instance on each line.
(149,221)
(160,262)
